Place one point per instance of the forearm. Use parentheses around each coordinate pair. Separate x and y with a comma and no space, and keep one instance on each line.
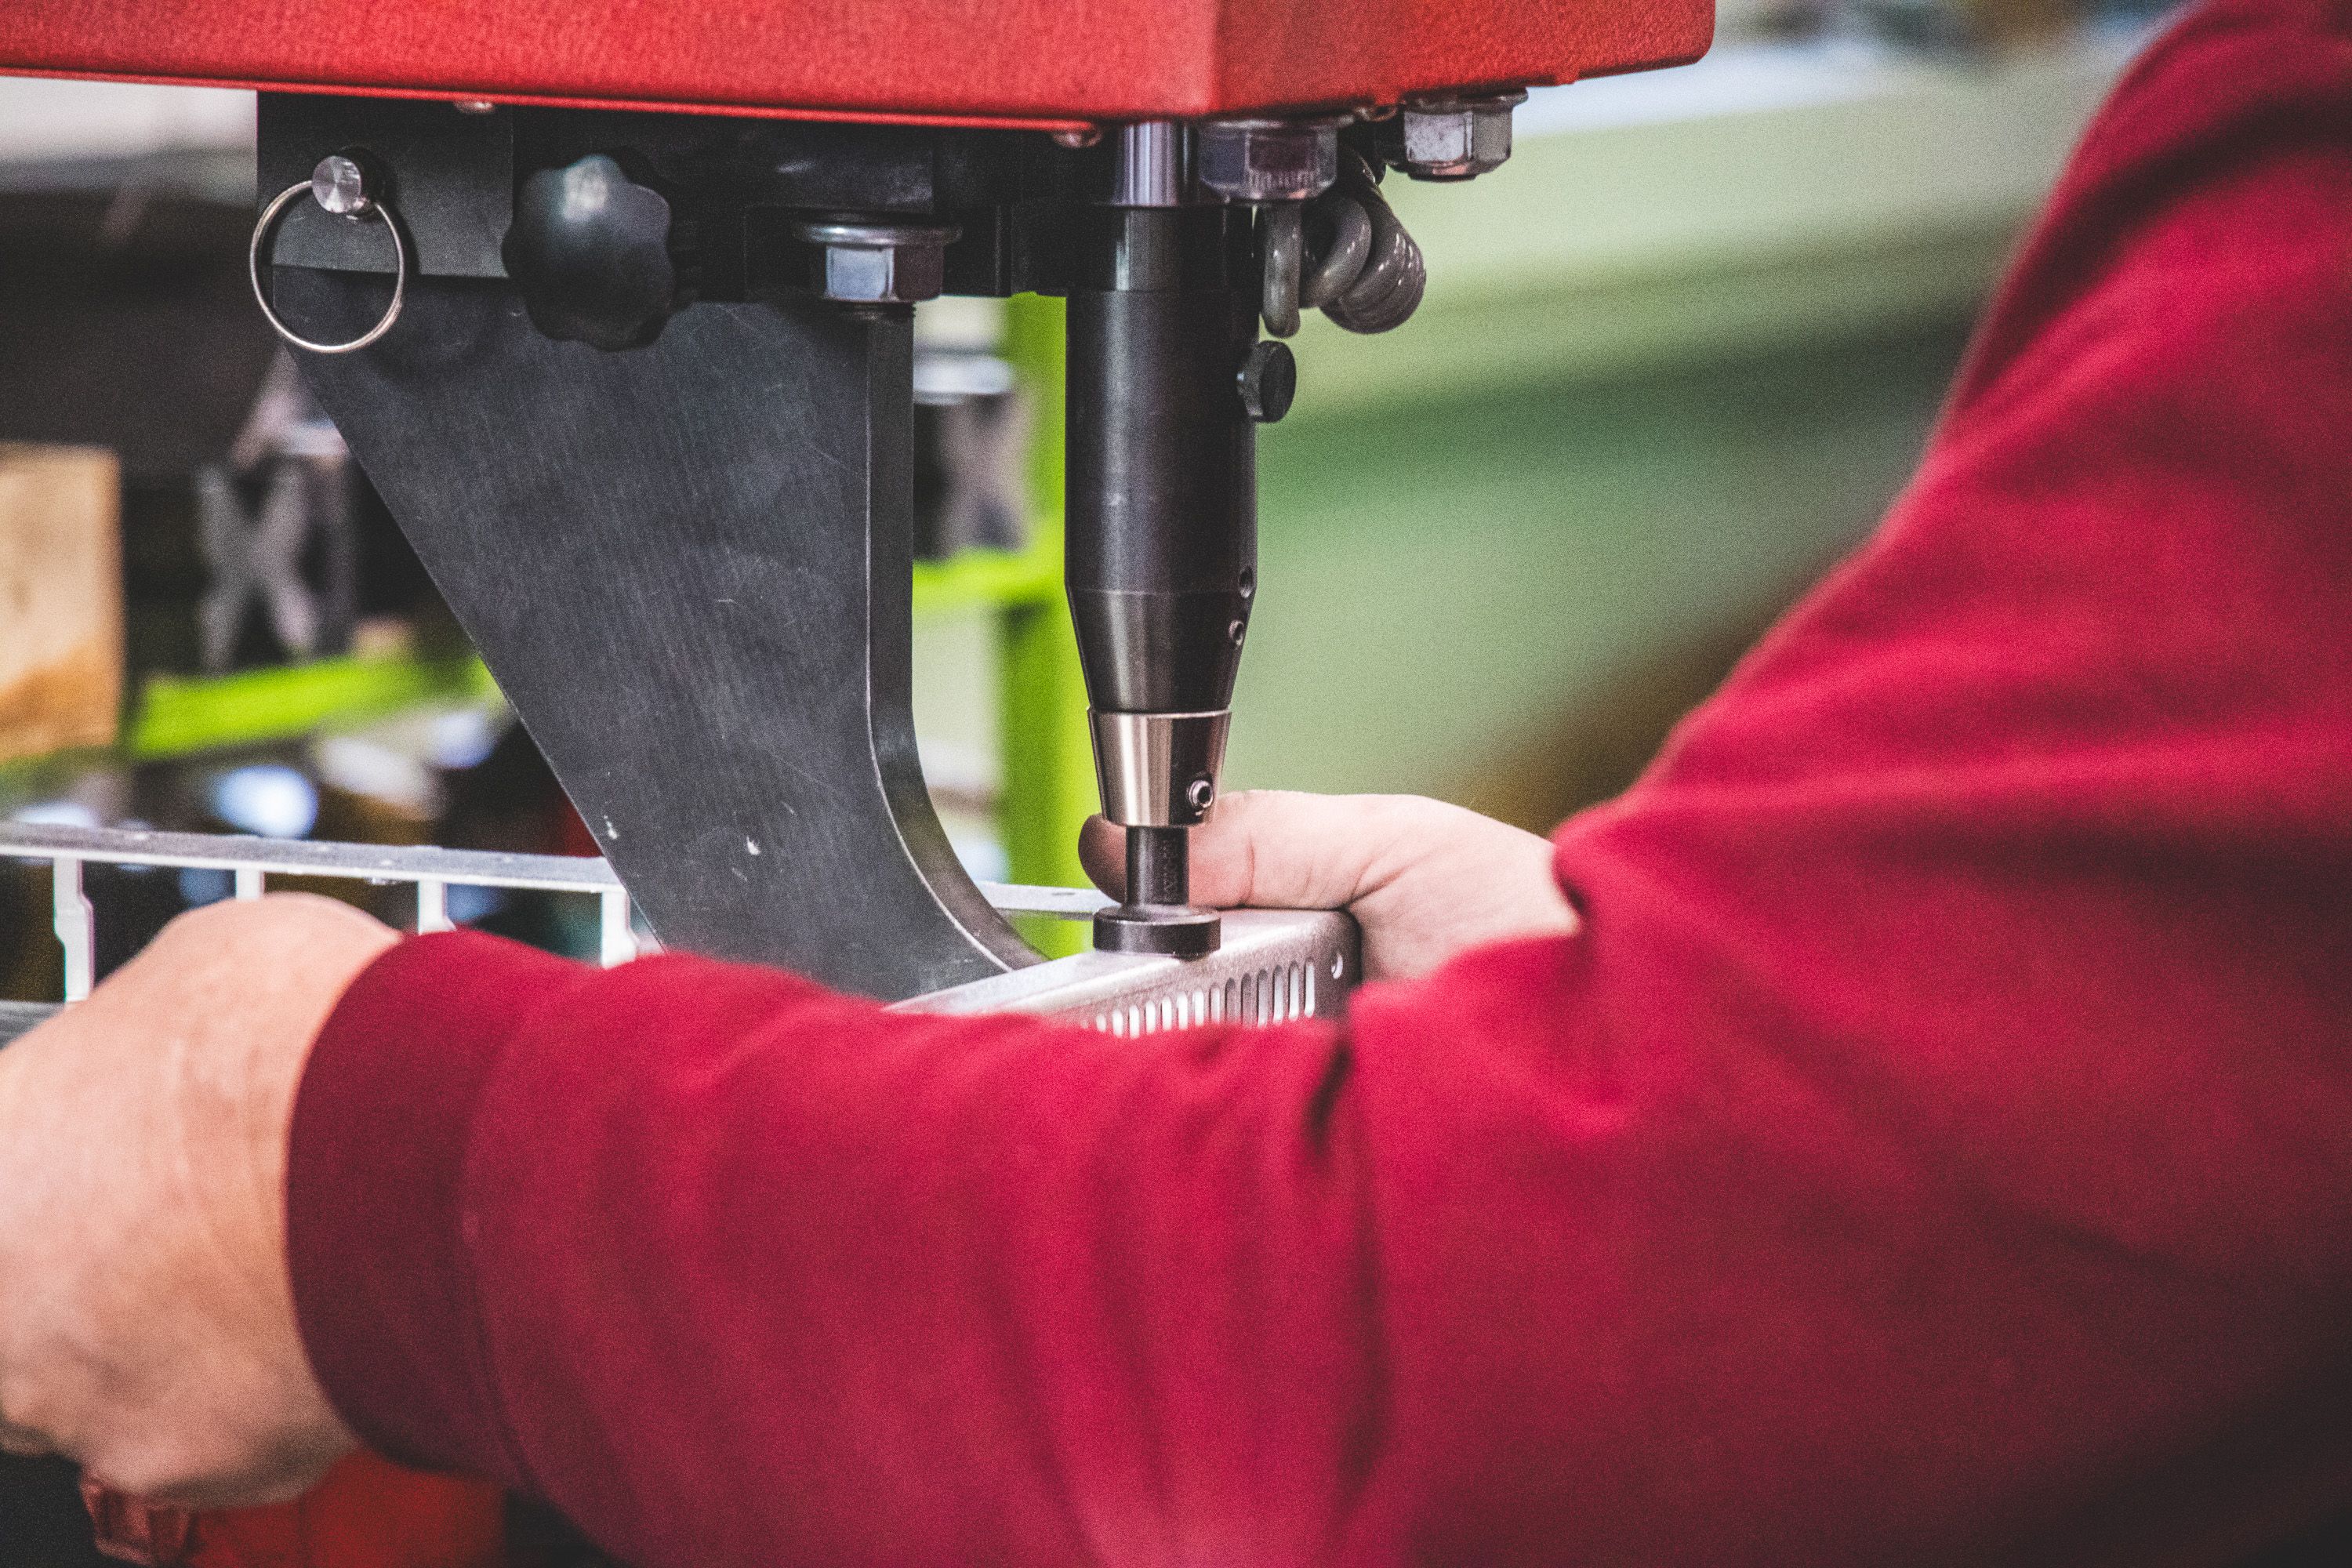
(1522,1268)
(739,1270)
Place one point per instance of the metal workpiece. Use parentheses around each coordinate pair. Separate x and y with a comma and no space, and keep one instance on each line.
(875,262)
(1260,160)
(697,601)
(1159,770)
(1455,137)
(1272,966)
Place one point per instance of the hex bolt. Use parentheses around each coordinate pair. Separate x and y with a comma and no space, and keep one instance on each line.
(880,263)
(341,185)
(1264,160)
(1268,380)
(1455,138)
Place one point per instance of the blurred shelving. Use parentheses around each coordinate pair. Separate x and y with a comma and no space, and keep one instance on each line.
(86,135)
(177,716)
(1774,193)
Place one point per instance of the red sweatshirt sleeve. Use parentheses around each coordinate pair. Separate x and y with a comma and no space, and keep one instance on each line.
(1937,1147)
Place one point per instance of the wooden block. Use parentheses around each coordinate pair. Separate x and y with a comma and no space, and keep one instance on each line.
(61,599)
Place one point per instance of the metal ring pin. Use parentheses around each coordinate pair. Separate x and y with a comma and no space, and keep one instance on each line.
(347,180)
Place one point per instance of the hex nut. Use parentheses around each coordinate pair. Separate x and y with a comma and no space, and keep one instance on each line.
(1259,161)
(1455,138)
(855,275)
(880,264)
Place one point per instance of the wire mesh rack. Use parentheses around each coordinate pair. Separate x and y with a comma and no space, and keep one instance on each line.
(1274,964)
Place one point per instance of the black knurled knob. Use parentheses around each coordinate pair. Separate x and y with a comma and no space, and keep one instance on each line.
(592,251)
(1268,380)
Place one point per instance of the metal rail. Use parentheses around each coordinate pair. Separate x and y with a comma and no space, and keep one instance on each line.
(1274,964)
(251,861)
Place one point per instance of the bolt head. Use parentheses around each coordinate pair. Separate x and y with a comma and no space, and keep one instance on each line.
(1456,138)
(1269,381)
(1200,793)
(339,184)
(1267,160)
(856,276)
(880,264)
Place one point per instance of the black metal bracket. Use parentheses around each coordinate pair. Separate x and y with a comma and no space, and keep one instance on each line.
(686,559)
(737,185)
(688,567)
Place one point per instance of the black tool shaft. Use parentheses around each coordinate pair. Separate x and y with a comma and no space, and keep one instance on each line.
(1159,866)
(1162,493)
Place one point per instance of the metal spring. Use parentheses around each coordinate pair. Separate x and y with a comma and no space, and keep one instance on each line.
(1366,272)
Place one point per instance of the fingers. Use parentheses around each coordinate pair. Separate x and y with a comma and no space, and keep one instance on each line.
(1283,848)
(1425,879)
(1102,850)
(1286,850)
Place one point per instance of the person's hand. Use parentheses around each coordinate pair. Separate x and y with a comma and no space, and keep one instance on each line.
(1425,879)
(147,1323)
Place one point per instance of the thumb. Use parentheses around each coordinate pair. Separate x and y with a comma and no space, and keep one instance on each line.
(1425,879)
(1271,848)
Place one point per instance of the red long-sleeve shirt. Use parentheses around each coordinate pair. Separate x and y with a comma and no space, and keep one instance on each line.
(1936,1146)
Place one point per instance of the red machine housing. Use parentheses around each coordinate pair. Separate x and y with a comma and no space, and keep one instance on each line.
(1028,62)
